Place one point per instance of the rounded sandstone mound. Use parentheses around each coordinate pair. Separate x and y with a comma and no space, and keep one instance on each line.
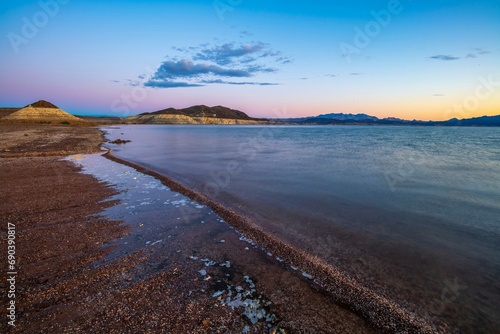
(43,111)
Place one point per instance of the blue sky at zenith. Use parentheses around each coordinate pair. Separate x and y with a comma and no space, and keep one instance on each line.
(408,59)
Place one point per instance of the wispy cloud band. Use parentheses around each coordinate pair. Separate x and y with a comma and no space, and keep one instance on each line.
(475,54)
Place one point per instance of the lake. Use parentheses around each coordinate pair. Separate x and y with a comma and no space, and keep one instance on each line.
(412,213)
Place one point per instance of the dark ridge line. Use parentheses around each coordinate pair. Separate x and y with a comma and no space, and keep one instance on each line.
(42,104)
(378,311)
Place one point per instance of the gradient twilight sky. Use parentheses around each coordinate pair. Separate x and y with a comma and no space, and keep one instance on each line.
(420,59)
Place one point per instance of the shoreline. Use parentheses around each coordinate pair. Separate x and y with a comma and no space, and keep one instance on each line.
(67,282)
(378,311)
(279,281)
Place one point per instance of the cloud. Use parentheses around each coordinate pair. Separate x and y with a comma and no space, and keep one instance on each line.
(284,60)
(168,84)
(186,68)
(227,53)
(213,64)
(261,69)
(355,73)
(471,55)
(482,51)
(231,53)
(444,57)
(218,81)
(477,52)
(133,83)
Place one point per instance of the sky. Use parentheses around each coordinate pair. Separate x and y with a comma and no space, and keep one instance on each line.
(427,60)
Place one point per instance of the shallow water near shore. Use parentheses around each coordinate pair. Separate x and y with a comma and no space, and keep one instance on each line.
(176,234)
(410,212)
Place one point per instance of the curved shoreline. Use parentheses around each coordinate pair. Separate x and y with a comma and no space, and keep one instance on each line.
(377,310)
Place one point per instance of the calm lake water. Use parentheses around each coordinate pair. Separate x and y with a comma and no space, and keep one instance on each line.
(410,212)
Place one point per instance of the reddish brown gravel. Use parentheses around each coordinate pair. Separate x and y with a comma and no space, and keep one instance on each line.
(24,139)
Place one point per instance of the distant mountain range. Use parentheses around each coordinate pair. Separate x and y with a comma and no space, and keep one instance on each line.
(363,119)
(43,111)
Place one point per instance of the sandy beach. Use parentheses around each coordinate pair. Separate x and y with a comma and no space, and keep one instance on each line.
(80,271)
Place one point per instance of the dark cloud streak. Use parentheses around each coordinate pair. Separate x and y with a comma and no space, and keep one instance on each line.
(169,84)
(218,81)
(444,57)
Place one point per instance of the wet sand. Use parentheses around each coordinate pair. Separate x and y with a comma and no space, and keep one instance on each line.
(80,271)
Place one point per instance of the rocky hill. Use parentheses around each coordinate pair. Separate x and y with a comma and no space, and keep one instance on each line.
(199,114)
(42,112)
(42,104)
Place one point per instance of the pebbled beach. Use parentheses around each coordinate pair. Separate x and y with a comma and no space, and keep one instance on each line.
(102,247)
